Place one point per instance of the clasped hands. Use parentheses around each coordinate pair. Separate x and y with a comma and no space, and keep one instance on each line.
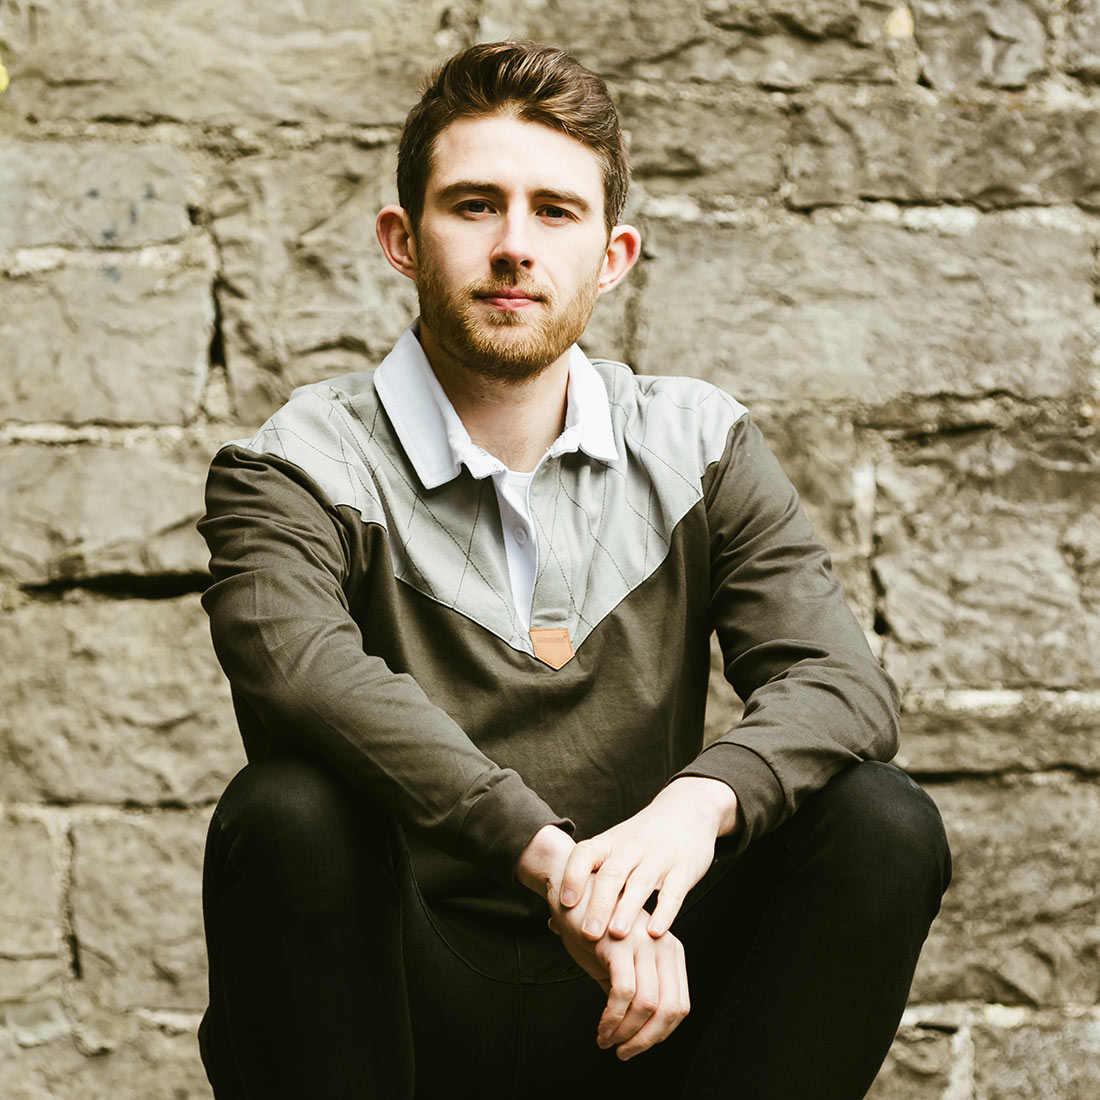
(597,890)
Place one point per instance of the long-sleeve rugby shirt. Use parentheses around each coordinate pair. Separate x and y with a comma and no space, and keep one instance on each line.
(362,611)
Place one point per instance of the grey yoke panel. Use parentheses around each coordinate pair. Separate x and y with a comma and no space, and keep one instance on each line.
(446,543)
(602,528)
(606,528)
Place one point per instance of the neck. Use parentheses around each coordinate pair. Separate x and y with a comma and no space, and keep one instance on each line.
(514,421)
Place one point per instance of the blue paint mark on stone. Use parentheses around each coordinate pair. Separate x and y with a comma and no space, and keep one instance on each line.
(93,193)
(133,213)
(112,274)
(109,234)
(150,191)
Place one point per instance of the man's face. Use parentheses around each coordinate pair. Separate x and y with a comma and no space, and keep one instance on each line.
(510,246)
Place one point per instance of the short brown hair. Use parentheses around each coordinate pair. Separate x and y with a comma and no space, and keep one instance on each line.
(537,84)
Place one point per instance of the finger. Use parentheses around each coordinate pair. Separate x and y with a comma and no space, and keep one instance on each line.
(671,897)
(639,885)
(607,885)
(647,995)
(620,973)
(673,1003)
(583,860)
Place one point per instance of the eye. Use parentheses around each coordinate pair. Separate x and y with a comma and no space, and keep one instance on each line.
(556,213)
(474,206)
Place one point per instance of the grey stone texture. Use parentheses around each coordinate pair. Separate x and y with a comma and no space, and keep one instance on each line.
(249,60)
(1050,1058)
(131,707)
(850,309)
(154,1063)
(123,340)
(80,511)
(783,44)
(681,143)
(912,146)
(1084,40)
(983,43)
(990,733)
(135,887)
(875,222)
(918,1067)
(1021,922)
(93,194)
(304,291)
(31,962)
(991,527)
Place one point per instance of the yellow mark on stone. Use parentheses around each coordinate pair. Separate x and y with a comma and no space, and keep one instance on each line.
(899,23)
(4,79)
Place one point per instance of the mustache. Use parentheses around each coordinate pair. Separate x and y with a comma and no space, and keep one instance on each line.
(486,288)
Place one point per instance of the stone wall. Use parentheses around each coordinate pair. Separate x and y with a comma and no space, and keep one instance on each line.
(877,224)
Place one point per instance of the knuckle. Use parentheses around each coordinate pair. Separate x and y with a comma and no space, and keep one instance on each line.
(614,869)
(647,1003)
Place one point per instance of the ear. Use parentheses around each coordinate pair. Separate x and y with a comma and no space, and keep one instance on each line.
(395,235)
(623,249)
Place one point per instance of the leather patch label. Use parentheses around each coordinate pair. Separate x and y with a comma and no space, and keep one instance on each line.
(552,645)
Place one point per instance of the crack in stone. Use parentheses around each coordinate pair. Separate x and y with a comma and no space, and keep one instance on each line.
(125,586)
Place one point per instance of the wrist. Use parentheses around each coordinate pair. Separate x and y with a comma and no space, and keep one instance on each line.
(541,864)
(716,799)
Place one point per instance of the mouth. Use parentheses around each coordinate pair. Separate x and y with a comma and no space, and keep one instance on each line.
(509,298)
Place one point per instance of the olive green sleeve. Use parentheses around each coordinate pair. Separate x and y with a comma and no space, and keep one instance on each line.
(815,697)
(283,560)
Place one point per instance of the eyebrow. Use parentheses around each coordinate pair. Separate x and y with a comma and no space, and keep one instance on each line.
(480,187)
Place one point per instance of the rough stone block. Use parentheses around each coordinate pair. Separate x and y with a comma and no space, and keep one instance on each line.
(124,342)
(196,61)
(884,143)
(76,511)
(848,308)
(137,911)
(681,143)
(92,194)
(849,144)
(982,43)
(1001,155)
(832,470)
(30,912)
(775,45)
(1021,921)
(1084,40)
(918,1066)
(114,701)
(988,560)
(1045,1060)
(308,293)
(987,732)
(155,1064)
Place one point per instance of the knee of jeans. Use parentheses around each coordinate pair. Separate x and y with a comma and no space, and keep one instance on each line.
(290,812)
(887,822)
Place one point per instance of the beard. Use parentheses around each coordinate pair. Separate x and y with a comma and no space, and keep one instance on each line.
(503,345)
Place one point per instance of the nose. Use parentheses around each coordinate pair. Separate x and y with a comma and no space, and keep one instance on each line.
(512,248)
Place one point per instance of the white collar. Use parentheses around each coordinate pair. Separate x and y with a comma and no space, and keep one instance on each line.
(435,438)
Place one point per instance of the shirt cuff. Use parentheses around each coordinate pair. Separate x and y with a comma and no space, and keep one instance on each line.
(759,793)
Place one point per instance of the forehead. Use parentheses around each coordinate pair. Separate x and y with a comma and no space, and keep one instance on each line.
(517,155)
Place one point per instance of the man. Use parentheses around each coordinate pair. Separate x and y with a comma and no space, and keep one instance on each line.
(465,606)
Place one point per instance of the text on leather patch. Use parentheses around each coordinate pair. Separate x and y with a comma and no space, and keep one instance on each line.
(552,645)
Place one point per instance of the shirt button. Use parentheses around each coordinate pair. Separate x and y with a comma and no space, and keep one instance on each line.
(520,535)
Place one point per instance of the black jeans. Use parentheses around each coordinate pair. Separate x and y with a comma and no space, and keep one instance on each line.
(331,978)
